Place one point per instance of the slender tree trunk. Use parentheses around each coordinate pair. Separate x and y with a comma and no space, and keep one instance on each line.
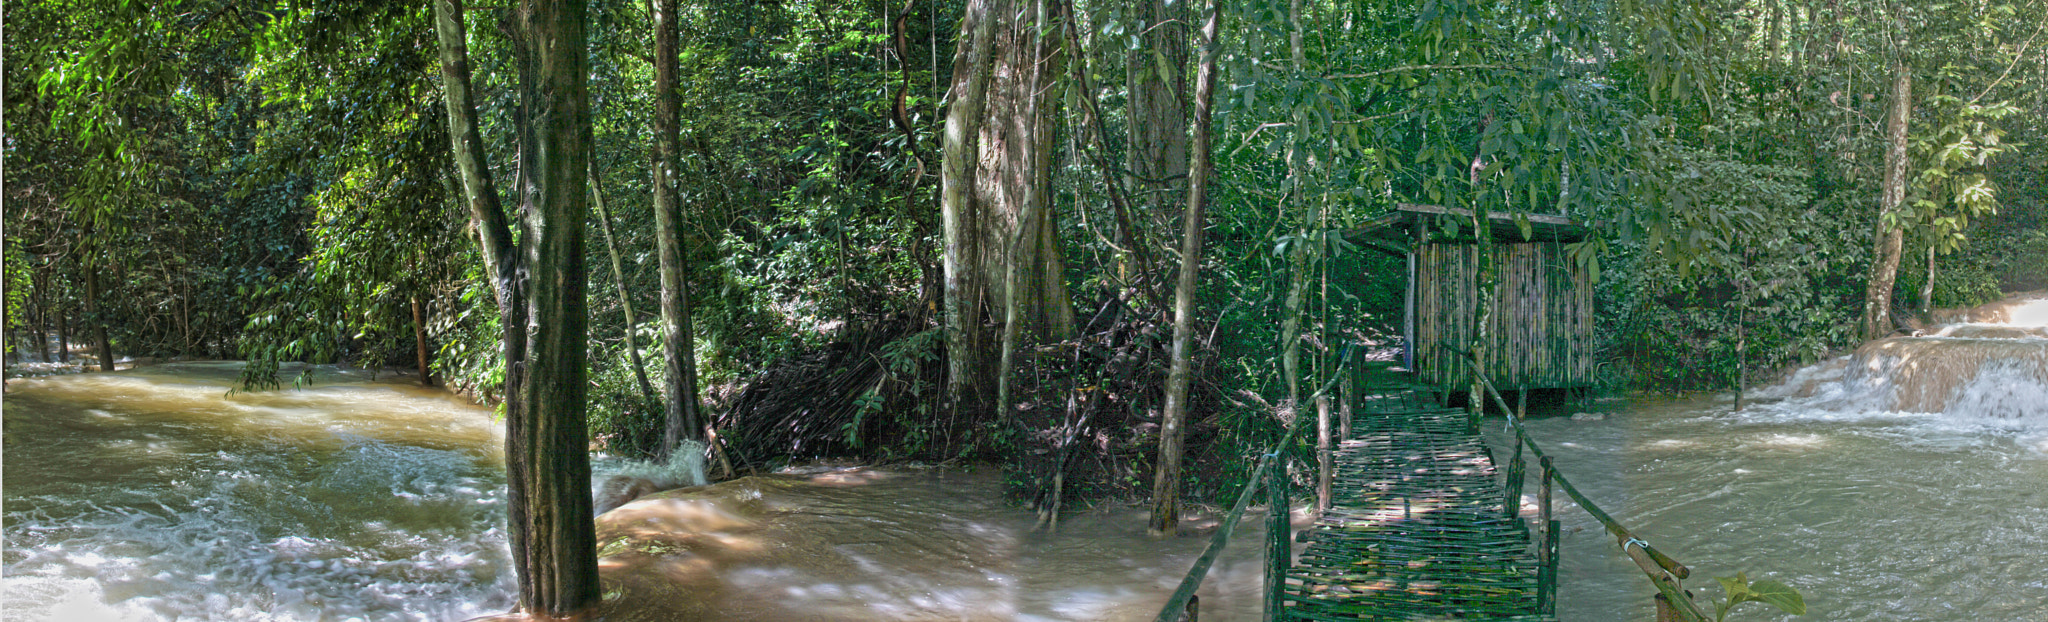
(1927,287)
(41,330)
(546,442)
(1173,422)
(1297,290)
(64,335)
(419,339)
(611,246)
(97,319)
(677,344)
(1884,267)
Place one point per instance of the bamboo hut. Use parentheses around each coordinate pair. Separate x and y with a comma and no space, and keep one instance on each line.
(1542,326)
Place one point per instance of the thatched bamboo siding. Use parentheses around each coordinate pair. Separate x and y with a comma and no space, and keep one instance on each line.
(1542,326)
(1542,320)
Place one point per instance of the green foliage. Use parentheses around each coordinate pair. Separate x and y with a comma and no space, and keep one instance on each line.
(1738,589)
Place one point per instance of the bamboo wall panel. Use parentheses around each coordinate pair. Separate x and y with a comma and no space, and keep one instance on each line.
(1542,326)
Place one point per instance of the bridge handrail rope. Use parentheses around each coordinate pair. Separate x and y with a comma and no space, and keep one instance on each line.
(1663,572)
(1177,604)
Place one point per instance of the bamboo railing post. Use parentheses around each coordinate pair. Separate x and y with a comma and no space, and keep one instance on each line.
(1518,470)
(1546,549)
(1665,612)
(1278,536)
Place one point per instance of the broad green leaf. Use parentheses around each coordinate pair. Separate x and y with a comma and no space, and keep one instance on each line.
(1777,595)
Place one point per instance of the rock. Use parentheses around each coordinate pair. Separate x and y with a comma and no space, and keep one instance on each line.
(620,490)
(1588,416)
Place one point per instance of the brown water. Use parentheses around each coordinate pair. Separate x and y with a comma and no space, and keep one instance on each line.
(1906,482)
(153,494)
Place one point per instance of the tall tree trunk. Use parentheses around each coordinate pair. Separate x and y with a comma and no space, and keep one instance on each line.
(1884,266)
(1298,256)
(1001,118)
(1032,265)
(677,346)
(96,317)
(1158,110)
(41,328)
(64,335)
(419,339)
(1927,286)
(611,246)
(1173,421)
(544,318)
(963,291)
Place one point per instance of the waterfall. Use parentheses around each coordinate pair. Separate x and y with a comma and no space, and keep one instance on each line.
(1989,363)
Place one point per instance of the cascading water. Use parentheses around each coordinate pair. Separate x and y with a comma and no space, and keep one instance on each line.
(153,494)
(1990,367)
(1905,481)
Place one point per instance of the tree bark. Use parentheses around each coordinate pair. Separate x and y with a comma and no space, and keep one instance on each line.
(611,245)
(1884,266)
(1173,422)
(956,178)
(419,338)
(93,313)
(1032,265)
(1158,109)
(677,346)
(544,319)
(996,193)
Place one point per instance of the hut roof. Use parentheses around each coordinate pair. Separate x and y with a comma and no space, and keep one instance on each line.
(1395,230)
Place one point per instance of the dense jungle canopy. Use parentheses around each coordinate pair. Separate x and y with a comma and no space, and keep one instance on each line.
(1079,239)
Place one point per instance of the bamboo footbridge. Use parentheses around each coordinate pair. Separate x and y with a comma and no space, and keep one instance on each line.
(1420,525)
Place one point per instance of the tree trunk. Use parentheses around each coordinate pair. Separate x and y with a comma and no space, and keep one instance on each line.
(41,329)
(993,212)
(103,345)
(611,245)
(963,292)
(1032,265)
(64,335)
(1884,266)
(1158,109)
(1927,287)
(1173,422)
(677,347)
(546,442)
(419,339)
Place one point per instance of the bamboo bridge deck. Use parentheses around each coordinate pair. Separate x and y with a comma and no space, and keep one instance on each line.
(1416,528)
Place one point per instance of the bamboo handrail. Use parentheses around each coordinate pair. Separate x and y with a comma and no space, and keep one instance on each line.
(1663,572)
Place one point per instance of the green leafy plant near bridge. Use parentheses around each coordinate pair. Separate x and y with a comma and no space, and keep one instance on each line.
(1739,589)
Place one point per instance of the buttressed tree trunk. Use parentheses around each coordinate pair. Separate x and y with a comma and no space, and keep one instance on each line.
(679,389)
(540,292)
(996,209)
(1172,429)
(1884,266)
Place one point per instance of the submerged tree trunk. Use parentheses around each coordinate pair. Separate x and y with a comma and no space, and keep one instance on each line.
(95,316)
(1884,265)
(1173,423)
(419,338)
(540,292)
(677,348)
